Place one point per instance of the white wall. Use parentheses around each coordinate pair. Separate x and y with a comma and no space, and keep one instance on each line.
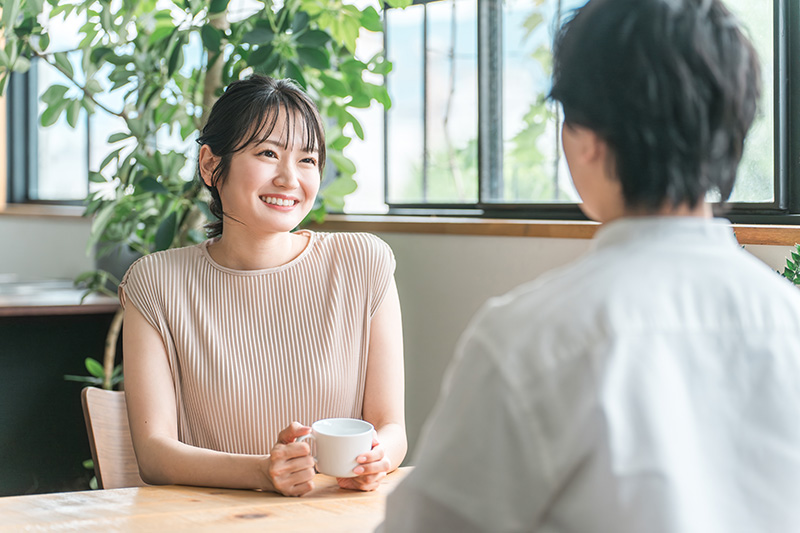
(442,280)
(37,248)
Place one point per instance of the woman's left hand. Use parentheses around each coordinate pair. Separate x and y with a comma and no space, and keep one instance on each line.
(373,467)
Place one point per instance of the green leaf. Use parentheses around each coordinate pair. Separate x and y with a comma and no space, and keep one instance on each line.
(313,57)
(88,464)
(380,65)
(334,86)
(119,136)
(399,3)
(300,21)
(334,193)
(218,6)
(316,38)
(94,367)
(342,163)
(110,157)
(22,65)
(44,41)
(293,72)
(258,36)
(54,93)
(96,177)
(165,233)
(175,58)
(63,62)
(99,223)
(212,38)
(53,112)
(73,112)
(161,33)
(260,56)
(371,20)
(339,143)
(152,185)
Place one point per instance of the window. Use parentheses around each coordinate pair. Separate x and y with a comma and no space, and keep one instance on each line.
(502,157)
(469,131)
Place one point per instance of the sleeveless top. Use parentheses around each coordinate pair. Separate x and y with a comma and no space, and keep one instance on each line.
(252,351)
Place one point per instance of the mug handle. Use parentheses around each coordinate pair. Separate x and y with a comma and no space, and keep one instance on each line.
(312,444)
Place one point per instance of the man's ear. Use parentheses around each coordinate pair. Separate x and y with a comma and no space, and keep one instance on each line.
(595,148)
(207,162)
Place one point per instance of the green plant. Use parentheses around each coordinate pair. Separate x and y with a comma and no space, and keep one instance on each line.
(167,62)
(792,269)
(168,65)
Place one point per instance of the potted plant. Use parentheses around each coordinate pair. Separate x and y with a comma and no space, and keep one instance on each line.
(168,65)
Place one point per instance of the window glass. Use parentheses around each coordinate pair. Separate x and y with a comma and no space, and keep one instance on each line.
(451,118)
(534,170)
(755,180)
(405,121)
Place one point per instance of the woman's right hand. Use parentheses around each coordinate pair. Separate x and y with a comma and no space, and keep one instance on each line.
(291,467)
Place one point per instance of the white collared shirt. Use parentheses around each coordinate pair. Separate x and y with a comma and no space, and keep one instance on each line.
(653,386)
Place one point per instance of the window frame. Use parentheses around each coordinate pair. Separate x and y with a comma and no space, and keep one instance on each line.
(22,138)
(784,209)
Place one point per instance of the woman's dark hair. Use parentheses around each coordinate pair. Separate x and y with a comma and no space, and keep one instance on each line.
(246,113)
(671,85)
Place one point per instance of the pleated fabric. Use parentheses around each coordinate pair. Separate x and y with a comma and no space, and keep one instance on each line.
(252,351)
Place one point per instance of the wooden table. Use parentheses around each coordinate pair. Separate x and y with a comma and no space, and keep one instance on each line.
(179,508)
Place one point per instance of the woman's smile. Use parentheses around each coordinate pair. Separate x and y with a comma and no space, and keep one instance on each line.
(277,201)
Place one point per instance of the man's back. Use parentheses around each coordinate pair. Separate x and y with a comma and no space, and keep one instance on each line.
(652,386)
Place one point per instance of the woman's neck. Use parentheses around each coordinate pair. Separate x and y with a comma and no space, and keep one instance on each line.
(241,251)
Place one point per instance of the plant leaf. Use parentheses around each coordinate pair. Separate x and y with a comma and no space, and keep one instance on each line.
(165,233)
(63,61)
(300,21)
(258,36)
(94,367)
(371,20)
(152,185)
(73,111)
(54,93)
(218,6)
(261,55)
(316,38)
(212,38)
(313,57)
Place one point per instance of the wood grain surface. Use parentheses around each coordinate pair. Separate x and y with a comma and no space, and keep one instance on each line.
(199,509)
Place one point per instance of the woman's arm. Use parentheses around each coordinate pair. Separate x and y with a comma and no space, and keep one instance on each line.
(163,459)
(383,396)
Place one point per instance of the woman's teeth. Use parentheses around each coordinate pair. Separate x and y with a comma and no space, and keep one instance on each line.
(277,201)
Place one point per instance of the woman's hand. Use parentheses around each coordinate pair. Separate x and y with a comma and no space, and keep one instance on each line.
(291,467)
(372,468)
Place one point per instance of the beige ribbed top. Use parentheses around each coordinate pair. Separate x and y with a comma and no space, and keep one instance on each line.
(252,351)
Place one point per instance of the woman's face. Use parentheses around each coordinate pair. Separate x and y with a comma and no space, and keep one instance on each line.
(271,186)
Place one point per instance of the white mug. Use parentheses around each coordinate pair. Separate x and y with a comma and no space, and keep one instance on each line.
(336,443)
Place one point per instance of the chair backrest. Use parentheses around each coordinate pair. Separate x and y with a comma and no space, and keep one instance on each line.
(110,438)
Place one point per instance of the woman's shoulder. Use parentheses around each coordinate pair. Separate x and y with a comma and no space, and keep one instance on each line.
(156,262)
(354,242)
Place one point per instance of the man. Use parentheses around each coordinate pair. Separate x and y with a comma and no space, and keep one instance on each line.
(654,385)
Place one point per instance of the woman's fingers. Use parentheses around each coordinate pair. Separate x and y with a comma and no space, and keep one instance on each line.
(366,483)
(291,432)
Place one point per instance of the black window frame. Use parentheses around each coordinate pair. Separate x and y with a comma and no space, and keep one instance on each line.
(784,209)
(22,138)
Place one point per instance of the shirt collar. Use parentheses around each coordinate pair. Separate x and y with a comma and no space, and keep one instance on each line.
(663,230)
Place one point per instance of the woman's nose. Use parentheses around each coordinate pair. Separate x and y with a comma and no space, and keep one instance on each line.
(287,175)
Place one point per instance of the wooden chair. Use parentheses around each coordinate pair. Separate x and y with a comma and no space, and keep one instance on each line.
(110,438)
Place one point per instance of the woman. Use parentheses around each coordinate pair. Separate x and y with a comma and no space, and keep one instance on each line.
(233,347)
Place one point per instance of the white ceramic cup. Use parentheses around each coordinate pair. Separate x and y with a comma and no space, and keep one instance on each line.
(336,443)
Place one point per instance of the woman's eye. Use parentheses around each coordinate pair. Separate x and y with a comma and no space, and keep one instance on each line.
(268,153)
(309,160)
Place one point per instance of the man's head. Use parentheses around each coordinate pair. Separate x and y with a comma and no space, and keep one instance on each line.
(669,86)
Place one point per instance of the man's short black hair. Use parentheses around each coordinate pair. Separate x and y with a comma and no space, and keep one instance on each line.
(671,85)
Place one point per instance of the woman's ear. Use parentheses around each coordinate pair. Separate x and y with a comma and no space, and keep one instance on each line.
(206,164)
